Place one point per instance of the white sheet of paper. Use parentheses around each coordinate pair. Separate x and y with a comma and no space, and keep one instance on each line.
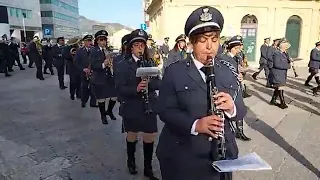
(250,162)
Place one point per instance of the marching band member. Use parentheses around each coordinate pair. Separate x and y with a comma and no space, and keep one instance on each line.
(263,61)
(4,53)
(124,46)
(82,63)
(281,64)
(14,49)
(59,61)
(133,110)
(314,65)
(235,56)
(102,76)
(68,54)
(48,57)
(179,50)
(164,49)
(35,54)
(184,151)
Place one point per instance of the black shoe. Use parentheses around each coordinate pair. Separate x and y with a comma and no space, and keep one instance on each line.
(110,108)
(94,106)
(7,75)
(63,87)
(315,91)
(254,75)
(30,67)
(45,72)
(41,78)
(148,153)
(22,68)
(83,105)
(307,84)
(282,104)
(131,161)
(274,98)
(240,134)
(102,109)
(71,97)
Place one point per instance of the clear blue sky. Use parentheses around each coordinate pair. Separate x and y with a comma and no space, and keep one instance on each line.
(126,12)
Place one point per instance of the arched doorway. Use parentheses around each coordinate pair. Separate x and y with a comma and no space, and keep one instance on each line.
(293,32)
(249,29)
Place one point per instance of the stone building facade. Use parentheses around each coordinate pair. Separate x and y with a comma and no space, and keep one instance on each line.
(298,21)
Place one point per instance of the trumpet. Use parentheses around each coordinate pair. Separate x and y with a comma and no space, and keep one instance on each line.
(109,64)
(73,51)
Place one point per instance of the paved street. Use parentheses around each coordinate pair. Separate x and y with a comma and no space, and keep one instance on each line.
(44,135)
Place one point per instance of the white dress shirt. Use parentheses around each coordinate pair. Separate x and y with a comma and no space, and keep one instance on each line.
(135,58)
(199,65)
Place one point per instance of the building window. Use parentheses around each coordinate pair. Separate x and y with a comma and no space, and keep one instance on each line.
(60,4)
(18,13)
(65,17)
(46,14)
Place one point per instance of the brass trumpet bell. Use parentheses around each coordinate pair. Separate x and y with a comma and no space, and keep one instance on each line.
(73,41)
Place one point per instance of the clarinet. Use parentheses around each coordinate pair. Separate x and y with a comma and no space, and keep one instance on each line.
(145,93)
(218,148)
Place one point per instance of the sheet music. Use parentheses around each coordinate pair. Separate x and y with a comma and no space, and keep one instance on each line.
(250,162)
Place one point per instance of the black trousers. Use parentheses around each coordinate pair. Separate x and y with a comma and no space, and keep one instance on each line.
(75,84)
(60,71)
(24,57)
(86,92)
(38,63)
(31,61)
(48,65)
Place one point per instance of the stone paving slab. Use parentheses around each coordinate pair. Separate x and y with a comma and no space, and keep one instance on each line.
(44,135)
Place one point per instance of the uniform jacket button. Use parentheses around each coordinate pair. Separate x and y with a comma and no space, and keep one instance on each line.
(186,87)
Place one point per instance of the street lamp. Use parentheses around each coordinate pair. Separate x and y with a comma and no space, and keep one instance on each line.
(24,26)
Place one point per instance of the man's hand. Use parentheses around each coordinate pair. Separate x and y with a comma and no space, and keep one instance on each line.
(224,102)
(86,70)
(209,125)
(142,85)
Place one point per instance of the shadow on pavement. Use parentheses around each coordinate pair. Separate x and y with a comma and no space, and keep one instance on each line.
(270,133)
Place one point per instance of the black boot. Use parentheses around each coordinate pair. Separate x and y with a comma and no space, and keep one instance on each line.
(245,93)
(283,104)
(110,108)
(317,80)
(240,135)
(102,109)
(148,153)
(254,75)
(315,90)
(274,98)
(308,80)
(131,161)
